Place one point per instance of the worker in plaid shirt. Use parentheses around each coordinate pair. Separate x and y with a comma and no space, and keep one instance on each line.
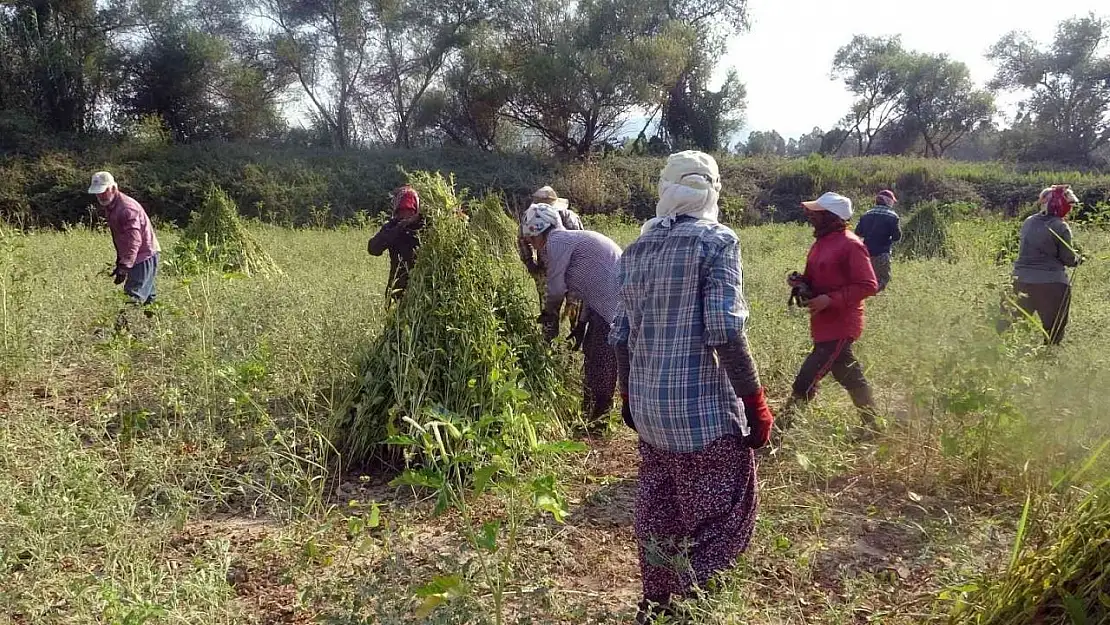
(690,387)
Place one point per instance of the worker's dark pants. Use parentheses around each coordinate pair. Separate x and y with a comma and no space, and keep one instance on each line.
(834,357)
(599,376)
(1051,302)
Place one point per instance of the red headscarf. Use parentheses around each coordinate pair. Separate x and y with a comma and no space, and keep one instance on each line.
(1058,200)
(406,203)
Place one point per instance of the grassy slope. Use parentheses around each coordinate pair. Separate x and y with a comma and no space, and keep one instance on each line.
(155,480)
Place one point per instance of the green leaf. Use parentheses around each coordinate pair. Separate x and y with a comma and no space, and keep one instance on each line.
(1023,525)
(375,518)
(437,592)
(488,538)
(1076,610)
(422,478)
(482,478)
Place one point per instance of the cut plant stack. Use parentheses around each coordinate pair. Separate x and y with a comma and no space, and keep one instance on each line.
(462,346)
(1063,581)
(217,238)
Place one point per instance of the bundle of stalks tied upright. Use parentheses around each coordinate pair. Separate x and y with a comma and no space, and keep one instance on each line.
(461,347)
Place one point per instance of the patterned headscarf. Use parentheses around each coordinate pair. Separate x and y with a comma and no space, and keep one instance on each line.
(1058,200)
(539,218)
(406,202)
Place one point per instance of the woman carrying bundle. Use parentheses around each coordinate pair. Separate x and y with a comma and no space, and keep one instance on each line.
(1041,282)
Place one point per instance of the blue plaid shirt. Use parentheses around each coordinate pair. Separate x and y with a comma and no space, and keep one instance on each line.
(680,295)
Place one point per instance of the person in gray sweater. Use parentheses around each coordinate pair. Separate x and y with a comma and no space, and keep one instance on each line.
(1041,282)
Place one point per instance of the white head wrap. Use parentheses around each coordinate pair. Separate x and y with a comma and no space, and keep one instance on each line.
(690,184)
(539,218)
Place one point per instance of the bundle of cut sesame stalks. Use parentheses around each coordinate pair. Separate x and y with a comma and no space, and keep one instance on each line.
(462,345)
(217,238)
(1064,581)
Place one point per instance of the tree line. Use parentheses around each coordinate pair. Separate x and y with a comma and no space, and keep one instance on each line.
(909,102)
(504,75)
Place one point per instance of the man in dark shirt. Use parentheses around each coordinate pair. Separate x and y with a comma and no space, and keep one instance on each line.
(879,228)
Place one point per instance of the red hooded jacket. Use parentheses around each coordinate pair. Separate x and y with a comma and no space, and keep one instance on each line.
(839,266)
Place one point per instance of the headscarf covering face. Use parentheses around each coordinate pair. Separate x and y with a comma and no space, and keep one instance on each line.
(690,184)
(539,218)
(1058,200)
(547,195)
(406,202)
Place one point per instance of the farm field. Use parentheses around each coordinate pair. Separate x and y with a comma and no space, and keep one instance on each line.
(182,473)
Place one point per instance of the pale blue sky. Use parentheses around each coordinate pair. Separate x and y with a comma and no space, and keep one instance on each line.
(786,56)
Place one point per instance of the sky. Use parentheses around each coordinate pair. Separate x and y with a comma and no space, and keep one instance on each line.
(786,57)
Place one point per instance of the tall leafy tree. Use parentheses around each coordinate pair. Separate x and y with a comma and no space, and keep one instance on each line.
(942,102)
(764,143)
(578,71)
(53,59)
(872,69)
(325,45)
(1066,113)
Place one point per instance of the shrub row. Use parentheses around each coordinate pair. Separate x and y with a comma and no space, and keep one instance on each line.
(297,186)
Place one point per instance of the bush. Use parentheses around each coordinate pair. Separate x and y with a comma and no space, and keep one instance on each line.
(1060,582)
(299,186)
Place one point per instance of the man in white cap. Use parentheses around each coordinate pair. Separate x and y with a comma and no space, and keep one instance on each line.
(839,275)
(582,263)
(690,387)
(133,235)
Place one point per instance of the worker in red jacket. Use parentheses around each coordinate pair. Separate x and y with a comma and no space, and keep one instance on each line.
(839,277)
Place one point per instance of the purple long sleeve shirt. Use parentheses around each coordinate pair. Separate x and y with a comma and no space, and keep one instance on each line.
(132,233)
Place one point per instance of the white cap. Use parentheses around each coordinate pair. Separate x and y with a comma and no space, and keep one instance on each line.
(832,202)
(101,182)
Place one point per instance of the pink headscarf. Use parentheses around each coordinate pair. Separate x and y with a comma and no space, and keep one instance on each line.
(1058,200)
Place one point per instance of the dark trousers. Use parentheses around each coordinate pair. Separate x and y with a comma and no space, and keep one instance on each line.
(834,357)
(599,376)
(1051,302)
(881,265)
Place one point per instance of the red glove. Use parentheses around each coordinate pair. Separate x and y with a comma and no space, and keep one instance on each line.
(760,420)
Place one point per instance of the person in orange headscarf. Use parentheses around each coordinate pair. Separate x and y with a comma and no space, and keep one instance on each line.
(1041,282)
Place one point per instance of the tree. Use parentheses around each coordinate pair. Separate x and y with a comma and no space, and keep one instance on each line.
(415,41)
(695,117)
(468,108)
(325,44)
(941,102)
(169,77)
(872,70)
(1066,115)
(199,68)
(810,143)
(764,143)
(54,59)
(577,71)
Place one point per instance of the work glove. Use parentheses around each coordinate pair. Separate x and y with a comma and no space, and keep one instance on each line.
(760,420)
(119,276)
(626,412)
